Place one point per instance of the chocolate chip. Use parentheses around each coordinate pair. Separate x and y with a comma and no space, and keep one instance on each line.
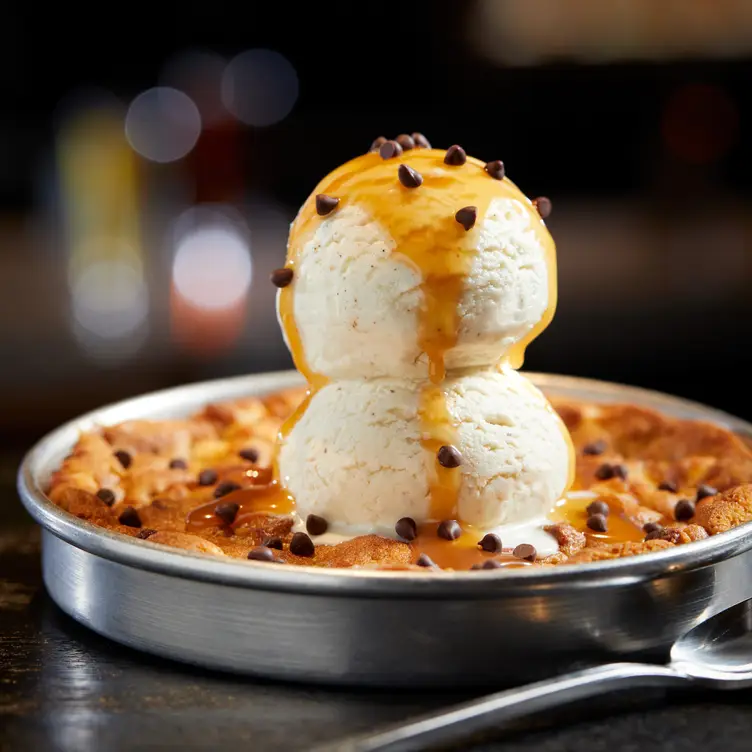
(145,533)
(703,491)
(261,553)
(467,216)
(594,447)
(129,516)
(598,523)
(178,464)
(598,507)
(668,485)
(684,510)
(106,496)
(620,471)
(376,145)
(273,541)
(490,542)
(525,551)
(425,561)
(455,156)
(607,471)
(207,477)
(389,150)
(651,527)
(406,528)
(449,456)
(408,177)
(488,564)
(124,458)
(227,512)
(421,142)
(654,533)
(405,141)
(325,204)
(225,488)
(250,454)
(301,545)
(543,205)
(495,169)
(449,530)
(282,277)
(316,525)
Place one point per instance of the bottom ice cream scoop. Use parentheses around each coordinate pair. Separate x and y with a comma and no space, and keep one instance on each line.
(356,457)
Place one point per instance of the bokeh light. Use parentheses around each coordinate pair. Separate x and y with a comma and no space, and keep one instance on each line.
(110,298)
(260,87)
(163,124)
(212,264)
(211,277)
(99,204)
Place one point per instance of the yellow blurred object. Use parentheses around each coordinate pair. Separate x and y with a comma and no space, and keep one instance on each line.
(98,178)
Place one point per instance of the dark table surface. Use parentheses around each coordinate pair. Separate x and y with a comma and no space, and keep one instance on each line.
(65,688)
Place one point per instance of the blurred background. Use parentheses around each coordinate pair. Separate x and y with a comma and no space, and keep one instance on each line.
(151,161)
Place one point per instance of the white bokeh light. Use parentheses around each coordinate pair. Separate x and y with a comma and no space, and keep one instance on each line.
(212,265)
(110,307)
(162,124)
(110,299)
(260,87)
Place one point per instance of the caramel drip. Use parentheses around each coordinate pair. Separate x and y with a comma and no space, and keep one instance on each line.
(421,221)
(438,429)
(458,554)
(621,529)
(267,499)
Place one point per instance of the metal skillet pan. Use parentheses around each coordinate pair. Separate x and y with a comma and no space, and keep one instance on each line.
(372,627)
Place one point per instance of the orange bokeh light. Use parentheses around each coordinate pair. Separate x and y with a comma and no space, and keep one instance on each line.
(205,332)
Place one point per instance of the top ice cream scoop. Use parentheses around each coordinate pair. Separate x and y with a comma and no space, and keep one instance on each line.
(390,276)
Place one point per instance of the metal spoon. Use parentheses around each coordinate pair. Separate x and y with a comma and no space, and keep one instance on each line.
(716,653)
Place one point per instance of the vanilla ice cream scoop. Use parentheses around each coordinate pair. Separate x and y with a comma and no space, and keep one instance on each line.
(355,457)
(361,290)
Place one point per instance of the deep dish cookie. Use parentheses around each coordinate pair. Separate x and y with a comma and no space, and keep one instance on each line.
(644,482)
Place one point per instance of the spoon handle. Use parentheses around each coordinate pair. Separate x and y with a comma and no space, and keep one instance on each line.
(496,709)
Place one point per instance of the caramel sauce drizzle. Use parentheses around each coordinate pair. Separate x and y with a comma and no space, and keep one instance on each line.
(621,529)
(421,221)
(463,553)
(459,554)
(260,494)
